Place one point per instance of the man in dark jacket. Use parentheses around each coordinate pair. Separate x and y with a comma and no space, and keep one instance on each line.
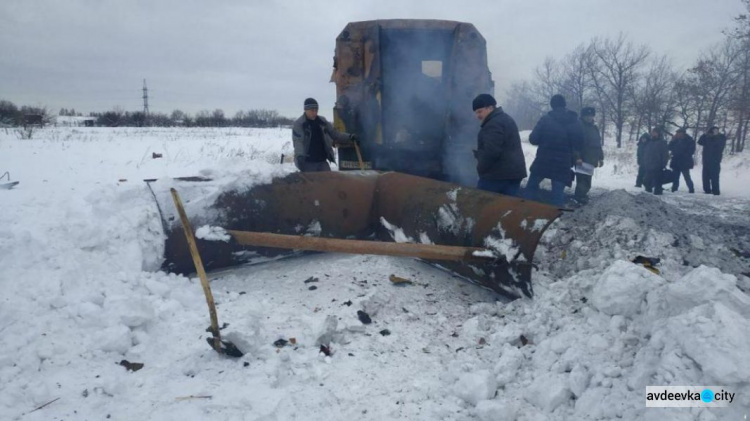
(314,138)
(500,162)
(682,147)
(639,158)
(655,159)
(558,135)
(713,144)
(591,153)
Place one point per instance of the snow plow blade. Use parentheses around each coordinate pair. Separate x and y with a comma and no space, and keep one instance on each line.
(374,206)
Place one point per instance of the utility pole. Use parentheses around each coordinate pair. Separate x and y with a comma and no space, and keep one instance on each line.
(145,100)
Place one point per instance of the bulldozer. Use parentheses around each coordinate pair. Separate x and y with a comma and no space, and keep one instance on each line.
(405,88)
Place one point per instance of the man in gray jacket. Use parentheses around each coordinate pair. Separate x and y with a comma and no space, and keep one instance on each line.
(314,138)
(500,162)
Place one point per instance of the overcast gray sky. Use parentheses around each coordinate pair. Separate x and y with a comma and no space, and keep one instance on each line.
(93,55)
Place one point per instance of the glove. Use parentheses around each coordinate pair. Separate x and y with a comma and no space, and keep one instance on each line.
(601,163)
(354,138)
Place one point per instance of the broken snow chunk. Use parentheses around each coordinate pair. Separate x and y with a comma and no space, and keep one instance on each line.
(549,392)
(327,331)
(507,366)
(210,233)
(622,289)
(476,387)
(496,410)
(578,380)
(453,195)
(114,339)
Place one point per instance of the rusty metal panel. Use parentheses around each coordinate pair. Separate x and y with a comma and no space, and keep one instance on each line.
(321,204)
(449,214)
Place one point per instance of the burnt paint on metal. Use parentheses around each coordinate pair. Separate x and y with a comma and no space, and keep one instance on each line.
(350,205)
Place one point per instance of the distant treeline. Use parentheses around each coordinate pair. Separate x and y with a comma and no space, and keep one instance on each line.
(12,115)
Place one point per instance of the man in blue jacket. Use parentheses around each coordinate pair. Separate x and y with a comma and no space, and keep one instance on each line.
(500,162)
(559,137)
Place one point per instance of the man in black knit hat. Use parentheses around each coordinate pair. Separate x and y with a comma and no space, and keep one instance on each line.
(314,139)
(500,162)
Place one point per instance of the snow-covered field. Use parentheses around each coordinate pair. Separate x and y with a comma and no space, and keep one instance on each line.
(80,239)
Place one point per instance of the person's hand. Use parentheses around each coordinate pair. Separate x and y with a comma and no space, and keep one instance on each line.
(354,138)
(601,163)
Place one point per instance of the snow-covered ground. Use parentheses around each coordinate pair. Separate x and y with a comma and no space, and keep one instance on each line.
(80,238)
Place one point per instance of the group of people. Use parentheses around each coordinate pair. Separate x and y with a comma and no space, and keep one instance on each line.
(654,154)
(564,142)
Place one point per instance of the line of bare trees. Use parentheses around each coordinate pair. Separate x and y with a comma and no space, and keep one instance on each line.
(14,116)
(634,89)
(205,118)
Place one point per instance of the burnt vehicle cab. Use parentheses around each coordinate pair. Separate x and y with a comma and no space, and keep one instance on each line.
(405,88)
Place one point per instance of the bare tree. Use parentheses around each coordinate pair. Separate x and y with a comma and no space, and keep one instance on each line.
(715,75)
(685,101)
(9,114)
(547,80)
(522,105)
(740,101)
(655,96)
(575,79)
(613,73)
